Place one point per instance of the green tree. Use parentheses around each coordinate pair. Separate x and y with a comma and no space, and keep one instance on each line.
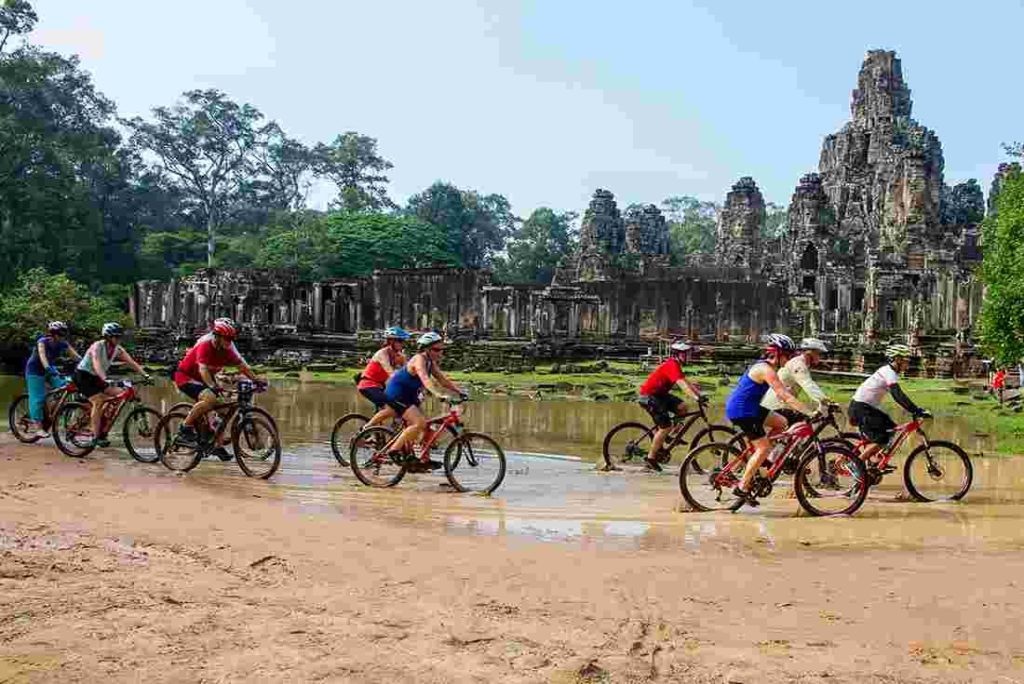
(16,18)
(281,170)
(776,221)
(1002,316)
(205,144)
(38,297)
(963,204)
(691,226)
(353,164)
(476,225)
(536,247)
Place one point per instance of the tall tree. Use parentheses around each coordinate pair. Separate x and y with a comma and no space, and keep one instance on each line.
(775,221)
(206,144)
(477,225)
(963,204)
(16,18)
(691,226)
(536,247)
(353,164)
(1002,315)
(281,170)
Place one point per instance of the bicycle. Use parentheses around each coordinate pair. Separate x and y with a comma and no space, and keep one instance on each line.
(632,440)
(19,419)
(254,438)
(346,428)
(711,472)
(73,425)
(473,462)
(925,467)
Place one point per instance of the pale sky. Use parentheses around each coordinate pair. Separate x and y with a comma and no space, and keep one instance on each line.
(546,101)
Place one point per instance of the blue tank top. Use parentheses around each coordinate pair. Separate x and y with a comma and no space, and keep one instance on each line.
(54,349)
(404,383)
(745,400)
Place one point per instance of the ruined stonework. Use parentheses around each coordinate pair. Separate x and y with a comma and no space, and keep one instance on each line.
(646,231)
(739,226)
(602,235)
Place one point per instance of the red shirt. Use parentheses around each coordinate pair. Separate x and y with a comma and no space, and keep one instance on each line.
(999,381)
(205,352)
(663,379)
(374,374)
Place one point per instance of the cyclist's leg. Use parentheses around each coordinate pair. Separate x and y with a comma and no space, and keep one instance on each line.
(754,428)
(36,385)
(205,401)
(876,426)
(97,401)
(416,422)
(774,423)
(378,397)
(660,411)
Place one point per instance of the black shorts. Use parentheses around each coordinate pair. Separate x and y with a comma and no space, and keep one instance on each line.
(792,417)
(192,390)
(376,395)
(873,423)
(752,426)
(662,407)
(88,384)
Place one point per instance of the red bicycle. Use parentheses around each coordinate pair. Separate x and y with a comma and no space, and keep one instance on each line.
(473,462)
(829,478)
(934,471)
(73,425)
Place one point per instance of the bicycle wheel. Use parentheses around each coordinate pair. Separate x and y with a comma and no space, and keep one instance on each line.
(703,484)
(474,463)
(831,482)
(19,420)
(938,471)
(174,456)
(139,434)
(72,430)
(342,433)
(712,433)
(626,442)
(370,462)
(257,446)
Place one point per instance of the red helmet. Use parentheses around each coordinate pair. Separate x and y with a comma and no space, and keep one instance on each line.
(225,327)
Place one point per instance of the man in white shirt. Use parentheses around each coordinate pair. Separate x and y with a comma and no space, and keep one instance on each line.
(796,375)
(866,408)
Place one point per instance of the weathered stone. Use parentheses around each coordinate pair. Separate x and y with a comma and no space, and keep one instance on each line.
(739,226)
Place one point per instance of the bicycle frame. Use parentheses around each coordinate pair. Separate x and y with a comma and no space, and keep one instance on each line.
(228,412)
(64,391)
(902,432)
(127,395)
(796,435)
(681,424)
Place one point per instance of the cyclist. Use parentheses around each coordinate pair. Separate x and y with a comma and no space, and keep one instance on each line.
(866,408)
(382,366)
(91,374)
(796,375)
(40,371)
(403,393)
(657,399)
(744,410)
(196,377)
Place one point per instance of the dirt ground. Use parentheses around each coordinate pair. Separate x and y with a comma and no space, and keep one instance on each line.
(130,573)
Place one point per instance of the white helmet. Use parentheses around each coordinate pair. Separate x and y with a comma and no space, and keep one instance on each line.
(813,343)
(680,346)
(895,351)
(428,340)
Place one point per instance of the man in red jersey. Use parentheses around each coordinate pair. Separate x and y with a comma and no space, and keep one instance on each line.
(657,399)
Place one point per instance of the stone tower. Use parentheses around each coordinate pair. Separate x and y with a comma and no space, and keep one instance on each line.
(602,237)
(646,231)
(739,226)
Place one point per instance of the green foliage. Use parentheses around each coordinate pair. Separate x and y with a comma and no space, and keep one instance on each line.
(167,254)
(476,225)
(536,247)
(776,221)
(39,297)
(691,226)
(962,204)
(352,163)
(16,18)
(1002,315)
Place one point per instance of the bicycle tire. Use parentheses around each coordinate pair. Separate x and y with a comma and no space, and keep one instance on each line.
(18,422)
(364,458)
(915,487)
(695,482)
(462,457)
(245,435)
(147,431)
(636,447)
(175,458)
(341,451)
(726,434)
(847,465)
(66,425)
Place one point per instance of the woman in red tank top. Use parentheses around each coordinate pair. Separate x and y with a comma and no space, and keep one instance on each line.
(374,377)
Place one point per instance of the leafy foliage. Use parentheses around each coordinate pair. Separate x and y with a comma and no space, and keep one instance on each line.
(1002,316)
(962,204)
(476,225)
(691,226)
(536,247)
(776,221)
(16,18)
(353,164)
(39,297)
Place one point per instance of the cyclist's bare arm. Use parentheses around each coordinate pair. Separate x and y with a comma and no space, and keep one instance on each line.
(445,381)
(132,363)
(768,374)
(806,382)
(384,359)
(75,356)
(207,376)
(689,388)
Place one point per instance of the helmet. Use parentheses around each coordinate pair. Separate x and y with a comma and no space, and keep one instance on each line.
(225,327)
(396,333)
(814,344)
(112,329)
(57,327)
(780,342)
(680,346)
(894,351)
(428,340)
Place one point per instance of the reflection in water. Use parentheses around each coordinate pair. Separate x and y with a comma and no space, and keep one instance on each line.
(567,500)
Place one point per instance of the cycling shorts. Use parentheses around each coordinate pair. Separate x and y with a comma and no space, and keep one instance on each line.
(376,395)
(661,407)
(873,423)
(192,390)
(89,384)
(752,426)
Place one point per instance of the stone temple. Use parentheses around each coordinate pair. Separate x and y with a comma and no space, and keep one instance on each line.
(878,247)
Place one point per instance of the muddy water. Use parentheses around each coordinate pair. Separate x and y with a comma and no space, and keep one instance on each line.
(566,499)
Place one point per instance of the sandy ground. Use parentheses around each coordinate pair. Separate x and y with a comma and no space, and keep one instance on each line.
(133,574)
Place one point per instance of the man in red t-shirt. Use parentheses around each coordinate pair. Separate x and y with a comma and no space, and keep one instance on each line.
(196,376)
(999,383)
(657,399)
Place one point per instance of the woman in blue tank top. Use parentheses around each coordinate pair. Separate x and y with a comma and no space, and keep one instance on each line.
(744,410)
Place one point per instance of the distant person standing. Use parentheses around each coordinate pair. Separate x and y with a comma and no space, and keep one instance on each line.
(999,383)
